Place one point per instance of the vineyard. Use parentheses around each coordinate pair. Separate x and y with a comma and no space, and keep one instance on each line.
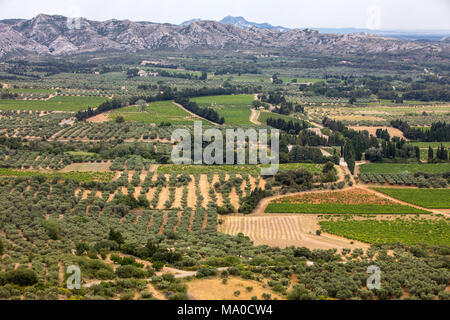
(408,231)
(234,108)
(432,199)
(410,168)
(353,201)
(156,113)
(57,103)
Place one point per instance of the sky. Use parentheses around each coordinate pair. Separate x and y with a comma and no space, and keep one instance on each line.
(372,14)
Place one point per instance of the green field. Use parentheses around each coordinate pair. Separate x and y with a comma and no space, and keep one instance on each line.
(410,232)
(237,169)
(427,198)
(405,168)
(30,90)
(333,208)
(156,112)
(54,104)
(79,176)
(236,109)
(434,145)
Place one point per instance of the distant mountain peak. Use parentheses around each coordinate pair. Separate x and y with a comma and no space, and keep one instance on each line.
(243,23)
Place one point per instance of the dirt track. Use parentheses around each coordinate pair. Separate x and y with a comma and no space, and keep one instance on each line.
(255,116)
(195,115)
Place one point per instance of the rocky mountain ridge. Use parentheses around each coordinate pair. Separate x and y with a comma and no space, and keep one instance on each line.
(54,36)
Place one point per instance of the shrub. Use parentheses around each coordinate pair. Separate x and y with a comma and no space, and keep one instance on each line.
(21,277)
(129,271)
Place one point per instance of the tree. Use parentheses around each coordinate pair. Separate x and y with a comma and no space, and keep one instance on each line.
(21,277)
(116,236)
(299,292)
(417,149)
(82,247)
(131,73)
(430,153)
(120,119)
(349,156)
(352,100)
(142,105)
(2,248)
(204,76)
(52,229)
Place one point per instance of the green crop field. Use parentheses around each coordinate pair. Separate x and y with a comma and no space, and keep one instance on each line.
(54,104)
(236,109)
(405,167)
(434,145)
(410,232)
(156,112)
(250,169)
(333,208)
(427,198)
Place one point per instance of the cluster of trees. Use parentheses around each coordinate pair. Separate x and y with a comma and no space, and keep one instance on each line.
(428,92)
(300,180)
(207,113)
(251,201)
(336,91)
(237,69)
(8,95)
(393,149)
(275,98)
(104,107)
(354,143)
(439,131)
(441,154)
(311,154)
(287,108)
(291,127)
(181,75)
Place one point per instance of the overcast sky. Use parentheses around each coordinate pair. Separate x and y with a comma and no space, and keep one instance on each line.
(375,14)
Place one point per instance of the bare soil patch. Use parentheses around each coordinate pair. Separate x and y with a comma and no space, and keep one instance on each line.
(393,132)
(102,117)
(87,167)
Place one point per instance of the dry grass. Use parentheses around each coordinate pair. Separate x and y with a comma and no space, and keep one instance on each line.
(393,132)
(283,231)
(214,289)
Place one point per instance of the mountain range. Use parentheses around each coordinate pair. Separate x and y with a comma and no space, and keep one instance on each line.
(411,35)
(52,35)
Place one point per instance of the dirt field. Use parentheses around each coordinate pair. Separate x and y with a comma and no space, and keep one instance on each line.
(102,117)
(372,130)
(214,289)
(87,167)
(284,230)
(357,118)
